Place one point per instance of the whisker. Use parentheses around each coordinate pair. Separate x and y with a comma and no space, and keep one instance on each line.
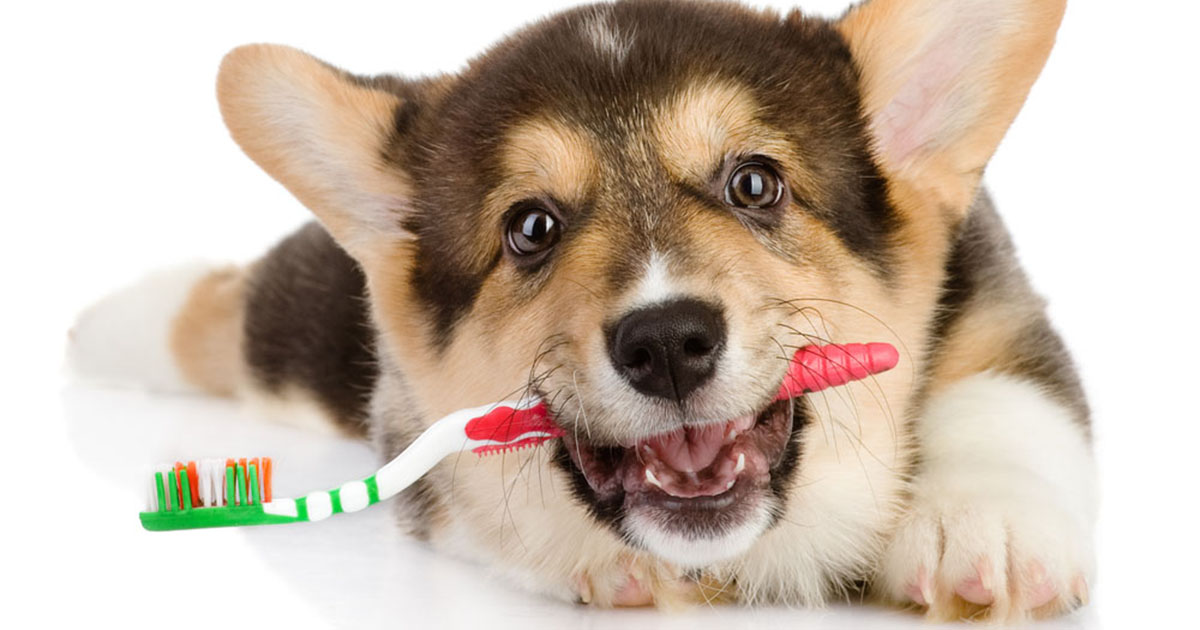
(873,387)
(895,335)
(881,399)
(828,408)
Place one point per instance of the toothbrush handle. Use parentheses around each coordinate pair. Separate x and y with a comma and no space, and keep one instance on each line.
(442,438)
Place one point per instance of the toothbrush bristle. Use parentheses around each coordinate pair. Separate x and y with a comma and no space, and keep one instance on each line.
(206,483)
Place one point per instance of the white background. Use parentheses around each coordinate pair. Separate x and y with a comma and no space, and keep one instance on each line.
(114,161)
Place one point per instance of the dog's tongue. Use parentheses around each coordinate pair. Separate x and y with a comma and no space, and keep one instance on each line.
(689,449)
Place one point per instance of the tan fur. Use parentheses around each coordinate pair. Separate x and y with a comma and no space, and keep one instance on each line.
(514,511)
(206,335)
(493,348)
(709,120)
(545,155)
(982,340)
(319,135)
(999,63)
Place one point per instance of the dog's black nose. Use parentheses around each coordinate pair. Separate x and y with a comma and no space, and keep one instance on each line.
(670,349)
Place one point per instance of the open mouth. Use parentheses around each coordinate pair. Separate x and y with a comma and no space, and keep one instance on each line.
(693,481)
(703,493)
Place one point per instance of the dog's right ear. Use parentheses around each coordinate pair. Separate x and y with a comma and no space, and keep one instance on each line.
(941,82)
(322,134)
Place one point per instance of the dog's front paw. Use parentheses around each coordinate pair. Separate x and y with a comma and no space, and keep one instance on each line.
(984,552)
(635,580)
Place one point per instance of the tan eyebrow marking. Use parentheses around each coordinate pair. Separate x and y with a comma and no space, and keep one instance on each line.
(544,156)
(708,120)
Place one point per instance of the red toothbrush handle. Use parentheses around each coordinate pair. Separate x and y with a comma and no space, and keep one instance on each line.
(814,368)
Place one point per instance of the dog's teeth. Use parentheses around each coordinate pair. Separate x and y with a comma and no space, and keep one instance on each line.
(652,480)
(730,484)
(741,464)
(732,435)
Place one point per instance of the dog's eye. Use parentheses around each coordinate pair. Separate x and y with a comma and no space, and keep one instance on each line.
(754,186)
(532,231)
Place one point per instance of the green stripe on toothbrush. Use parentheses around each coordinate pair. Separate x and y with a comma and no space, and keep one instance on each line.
(372,490)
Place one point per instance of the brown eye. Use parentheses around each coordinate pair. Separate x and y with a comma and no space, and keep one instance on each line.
(753,185)
(532,231)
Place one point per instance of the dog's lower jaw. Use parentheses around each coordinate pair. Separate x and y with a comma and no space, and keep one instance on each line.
(697,551)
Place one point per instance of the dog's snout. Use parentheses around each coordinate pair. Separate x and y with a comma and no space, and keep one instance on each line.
(670,349)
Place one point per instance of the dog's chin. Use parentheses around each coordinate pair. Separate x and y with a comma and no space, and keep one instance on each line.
(694,496)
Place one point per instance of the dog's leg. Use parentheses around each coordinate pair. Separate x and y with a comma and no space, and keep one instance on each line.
(1000,522)
(177,330)
(289,334)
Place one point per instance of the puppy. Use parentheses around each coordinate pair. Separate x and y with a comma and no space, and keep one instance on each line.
(639,211)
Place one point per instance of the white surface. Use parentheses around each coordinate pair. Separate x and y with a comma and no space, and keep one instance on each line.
(114,162)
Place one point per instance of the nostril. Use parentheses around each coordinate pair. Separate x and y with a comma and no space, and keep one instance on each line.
(639,359)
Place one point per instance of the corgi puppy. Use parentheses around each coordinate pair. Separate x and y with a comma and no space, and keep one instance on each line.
(638,211)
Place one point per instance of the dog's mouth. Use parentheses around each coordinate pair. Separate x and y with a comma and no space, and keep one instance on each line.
(695,481)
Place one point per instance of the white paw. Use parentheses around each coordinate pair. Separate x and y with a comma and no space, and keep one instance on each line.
(999,524)
(633,581)
(983,553)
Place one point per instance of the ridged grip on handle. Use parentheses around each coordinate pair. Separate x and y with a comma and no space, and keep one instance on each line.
(814,368)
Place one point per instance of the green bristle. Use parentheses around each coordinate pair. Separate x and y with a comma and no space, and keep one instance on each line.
(255,497)
(230,497)
(240,473)
(162,494)
(172,492)
(243,503)
(186,488)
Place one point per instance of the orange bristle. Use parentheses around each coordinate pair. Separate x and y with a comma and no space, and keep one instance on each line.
(266,479)
(193,483)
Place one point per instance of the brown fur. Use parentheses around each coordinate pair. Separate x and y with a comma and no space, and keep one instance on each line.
(631,146)
(206,336)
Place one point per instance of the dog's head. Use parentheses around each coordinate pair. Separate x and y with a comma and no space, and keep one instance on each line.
(641,210)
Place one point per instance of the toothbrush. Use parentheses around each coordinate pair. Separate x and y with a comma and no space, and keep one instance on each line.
(227,493)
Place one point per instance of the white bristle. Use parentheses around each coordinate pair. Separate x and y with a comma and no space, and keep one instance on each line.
(202,482)
(217,470)
(210,491)
(214,490)
(152,500)
(215,483)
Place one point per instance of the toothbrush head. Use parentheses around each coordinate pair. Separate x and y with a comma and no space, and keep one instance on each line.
(211,493)
(511,427)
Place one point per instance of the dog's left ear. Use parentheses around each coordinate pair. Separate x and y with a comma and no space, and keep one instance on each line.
(325,136)
(942,81)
